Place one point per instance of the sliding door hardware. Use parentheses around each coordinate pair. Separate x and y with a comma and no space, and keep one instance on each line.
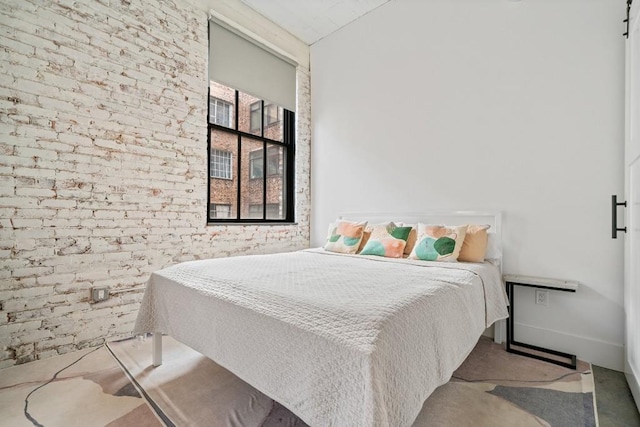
(614,216)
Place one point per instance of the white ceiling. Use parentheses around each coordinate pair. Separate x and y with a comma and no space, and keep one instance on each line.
(312,20)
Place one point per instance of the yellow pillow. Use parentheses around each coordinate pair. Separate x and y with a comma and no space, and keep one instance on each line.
(438,242)
(474,247)
(411,241)
(345,236)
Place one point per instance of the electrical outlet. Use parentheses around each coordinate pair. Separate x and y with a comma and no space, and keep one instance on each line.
(99,294)
(542,297)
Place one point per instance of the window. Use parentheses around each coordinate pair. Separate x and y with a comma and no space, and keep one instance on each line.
(220,112)
(273,210)
(252,93)
(239,189)
(274,155)
(254,118)
(272,114)
(255,211)
(256,162)
(220,211)
(221,164)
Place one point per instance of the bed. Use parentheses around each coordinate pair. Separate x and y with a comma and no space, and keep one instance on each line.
(338,339)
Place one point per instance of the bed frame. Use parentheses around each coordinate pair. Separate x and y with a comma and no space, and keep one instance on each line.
(493,218)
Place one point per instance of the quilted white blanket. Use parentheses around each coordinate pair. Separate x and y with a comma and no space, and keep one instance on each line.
(339,340)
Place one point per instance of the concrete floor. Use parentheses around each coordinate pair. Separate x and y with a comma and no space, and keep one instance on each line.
(615,403)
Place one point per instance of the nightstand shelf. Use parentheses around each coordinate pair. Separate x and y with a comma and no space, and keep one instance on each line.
(512,280)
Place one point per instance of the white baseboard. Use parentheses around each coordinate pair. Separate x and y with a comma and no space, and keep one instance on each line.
(605,354)
(632,380)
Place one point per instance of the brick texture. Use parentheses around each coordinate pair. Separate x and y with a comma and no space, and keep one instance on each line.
(103,166)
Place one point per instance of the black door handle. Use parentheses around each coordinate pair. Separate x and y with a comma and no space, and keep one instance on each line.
(614,216)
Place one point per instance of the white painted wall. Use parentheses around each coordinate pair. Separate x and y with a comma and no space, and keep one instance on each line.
(516,106)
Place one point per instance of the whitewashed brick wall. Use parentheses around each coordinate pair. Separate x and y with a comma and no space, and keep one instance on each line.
(103,165)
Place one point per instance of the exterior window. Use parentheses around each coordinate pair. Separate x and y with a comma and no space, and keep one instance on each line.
(272,114)
(255,211)
(221,164)
(220,112)
(244,186)
(273,210)
(274,155)
(256,162)
(220,211)
(254,116)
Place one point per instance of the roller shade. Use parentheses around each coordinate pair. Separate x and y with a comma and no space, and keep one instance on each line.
(243,65)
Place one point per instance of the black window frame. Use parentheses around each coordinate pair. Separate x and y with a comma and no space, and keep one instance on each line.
(288,147)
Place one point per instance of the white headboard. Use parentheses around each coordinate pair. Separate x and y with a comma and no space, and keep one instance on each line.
(493,218)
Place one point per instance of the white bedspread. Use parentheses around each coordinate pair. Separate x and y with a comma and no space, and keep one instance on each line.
(339,340)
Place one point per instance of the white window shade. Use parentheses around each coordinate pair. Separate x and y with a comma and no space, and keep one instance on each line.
(243,65)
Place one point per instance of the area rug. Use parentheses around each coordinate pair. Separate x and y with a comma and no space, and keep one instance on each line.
(491,388)
(79,389)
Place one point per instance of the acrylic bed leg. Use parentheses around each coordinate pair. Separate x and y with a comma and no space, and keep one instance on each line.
(157,348)
(499,331)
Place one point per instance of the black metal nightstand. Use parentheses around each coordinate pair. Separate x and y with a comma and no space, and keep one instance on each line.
(512,280)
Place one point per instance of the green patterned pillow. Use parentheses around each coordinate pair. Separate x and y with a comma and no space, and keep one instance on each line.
(438,243)
(345,236)
(386,240)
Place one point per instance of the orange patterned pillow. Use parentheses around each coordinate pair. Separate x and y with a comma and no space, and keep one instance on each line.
(387,240)
(345,236)
(438,242)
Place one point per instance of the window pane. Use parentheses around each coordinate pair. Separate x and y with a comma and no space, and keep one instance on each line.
(252,185)
(274,160)
(276,207)
(273,122)
(249,114)
(222,105)
(221,164)
(222,170)
(255,118)
(256,164)
(220,211)
(255,211)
